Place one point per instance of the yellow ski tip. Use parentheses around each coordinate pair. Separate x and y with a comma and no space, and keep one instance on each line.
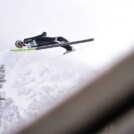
(22,49)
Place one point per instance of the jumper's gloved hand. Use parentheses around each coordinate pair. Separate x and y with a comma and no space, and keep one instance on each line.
(44,34)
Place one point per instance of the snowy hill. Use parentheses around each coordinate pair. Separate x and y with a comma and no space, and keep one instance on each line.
(36,82)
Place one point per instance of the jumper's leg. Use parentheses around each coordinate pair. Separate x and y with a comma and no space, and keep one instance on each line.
(63,40)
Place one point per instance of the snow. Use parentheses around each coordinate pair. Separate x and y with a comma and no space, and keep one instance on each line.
(37,81)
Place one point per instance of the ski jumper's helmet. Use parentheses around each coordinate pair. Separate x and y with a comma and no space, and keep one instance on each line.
(19,44)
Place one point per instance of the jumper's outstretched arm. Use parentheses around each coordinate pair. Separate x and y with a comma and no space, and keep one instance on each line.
(27,40)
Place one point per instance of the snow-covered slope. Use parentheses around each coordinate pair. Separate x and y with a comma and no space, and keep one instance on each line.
(36,81)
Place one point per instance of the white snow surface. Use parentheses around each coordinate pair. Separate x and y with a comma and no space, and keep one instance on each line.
(35,83)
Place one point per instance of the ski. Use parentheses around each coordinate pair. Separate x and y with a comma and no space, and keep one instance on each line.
(65,44)
(22,49)
(52,46)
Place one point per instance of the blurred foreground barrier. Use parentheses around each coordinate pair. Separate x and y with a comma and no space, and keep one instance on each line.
(125,125)
(103,99)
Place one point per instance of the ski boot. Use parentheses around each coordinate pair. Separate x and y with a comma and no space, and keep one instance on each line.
(68,51)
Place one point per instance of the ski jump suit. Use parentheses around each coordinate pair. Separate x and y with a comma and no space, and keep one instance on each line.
(42,40)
